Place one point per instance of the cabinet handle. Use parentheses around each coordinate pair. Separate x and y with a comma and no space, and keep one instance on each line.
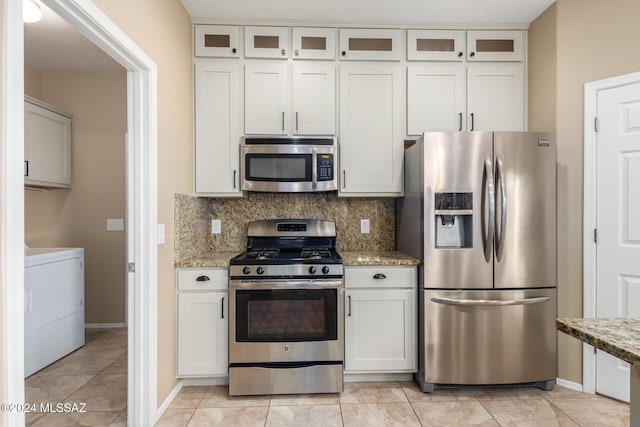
(295,52)
(460,116)
(283,121)
(344,53)
(472,54)
(344,178)
(296,121)
(379,276)
(472,121)
(459,54)
(234,50)
(234,179)
(222,308)
(349,305)
(26,168)
(202,279)
(284,52)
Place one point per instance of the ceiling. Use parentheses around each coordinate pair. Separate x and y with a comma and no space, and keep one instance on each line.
(52,45)
(375,12)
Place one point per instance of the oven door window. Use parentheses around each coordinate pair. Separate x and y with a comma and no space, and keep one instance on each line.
(286,315)
(279,167)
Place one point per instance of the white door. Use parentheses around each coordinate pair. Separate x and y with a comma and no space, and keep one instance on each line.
(314,99)
(618,223)
(265,98)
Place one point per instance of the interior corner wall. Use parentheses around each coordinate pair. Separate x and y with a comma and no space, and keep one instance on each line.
(162,29)
(32,82)
(595,40)
(2,273)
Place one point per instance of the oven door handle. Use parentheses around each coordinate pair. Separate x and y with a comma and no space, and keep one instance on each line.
(284,284)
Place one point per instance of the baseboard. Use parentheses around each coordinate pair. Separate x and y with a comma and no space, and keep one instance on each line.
(104,325)
(205,381)
(352,377)
(569,384)
(168,401)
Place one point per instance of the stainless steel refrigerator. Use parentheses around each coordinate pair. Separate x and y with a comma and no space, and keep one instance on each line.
(480,213)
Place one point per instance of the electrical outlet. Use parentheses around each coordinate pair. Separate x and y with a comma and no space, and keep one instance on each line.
(216,226)
(115,224)
(364,226)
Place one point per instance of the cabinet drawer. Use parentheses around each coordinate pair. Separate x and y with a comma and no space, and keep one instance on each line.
(188,279)
(380,277)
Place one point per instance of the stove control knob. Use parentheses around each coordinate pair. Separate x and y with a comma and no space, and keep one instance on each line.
(325,269)
(312,270)
(260,270)
(246,270)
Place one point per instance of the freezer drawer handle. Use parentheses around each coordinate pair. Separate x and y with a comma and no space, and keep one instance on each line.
(489,302)
(379,276)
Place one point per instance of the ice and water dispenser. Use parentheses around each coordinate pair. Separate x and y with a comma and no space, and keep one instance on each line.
(453,219)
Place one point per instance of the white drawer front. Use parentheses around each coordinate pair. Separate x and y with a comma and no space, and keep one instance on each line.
(194,279)
(380,277)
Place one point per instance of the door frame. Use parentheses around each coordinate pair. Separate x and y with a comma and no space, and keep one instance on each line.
(142,135)
(589,257)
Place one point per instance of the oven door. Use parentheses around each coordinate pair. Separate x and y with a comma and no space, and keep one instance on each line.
(285,321)
(288,168)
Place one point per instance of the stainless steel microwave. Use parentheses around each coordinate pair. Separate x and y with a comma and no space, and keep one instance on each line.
(288,164)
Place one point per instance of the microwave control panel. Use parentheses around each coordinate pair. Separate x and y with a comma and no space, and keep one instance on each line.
(325,167)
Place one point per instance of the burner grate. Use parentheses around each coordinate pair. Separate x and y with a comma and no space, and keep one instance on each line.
(268,253)
(315,253)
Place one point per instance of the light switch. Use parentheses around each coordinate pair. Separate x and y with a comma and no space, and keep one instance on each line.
(115,224)
(216,226)
(364,226)
(161,234)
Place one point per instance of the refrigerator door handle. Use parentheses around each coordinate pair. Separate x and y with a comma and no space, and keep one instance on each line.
(487,187)
(488,302)
(503,210)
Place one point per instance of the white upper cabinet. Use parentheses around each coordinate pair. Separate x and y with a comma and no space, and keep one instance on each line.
(495,45)
(436,98)
(265,102)
(371,142)
(217,129)
(266,42)
(314,98)
(367,44)
(435,45)
(216,41)
(496,97)
(314,43)
(47,145)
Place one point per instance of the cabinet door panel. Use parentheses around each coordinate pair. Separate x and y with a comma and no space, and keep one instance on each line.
(47,140)
(371,146)
(436,97)
(379,330)
(435,45)
(202,333)
(265,99)
(314,99)
(314,43)
(217,129)
(266,42)
(216,40)
(495,97)
(495,45)
(367,44)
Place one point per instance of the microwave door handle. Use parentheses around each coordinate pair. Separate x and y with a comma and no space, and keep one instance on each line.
(314,168)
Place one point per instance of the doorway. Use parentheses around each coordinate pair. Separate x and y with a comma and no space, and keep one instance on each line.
(611,226)
(141,208)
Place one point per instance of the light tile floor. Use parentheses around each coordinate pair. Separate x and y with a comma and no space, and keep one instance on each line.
(97,375)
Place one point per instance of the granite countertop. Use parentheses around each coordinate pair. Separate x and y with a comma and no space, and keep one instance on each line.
(619,337)
(382,258)
(210,260)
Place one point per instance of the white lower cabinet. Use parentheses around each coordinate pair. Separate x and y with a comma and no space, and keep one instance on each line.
(380,319)
(203,307)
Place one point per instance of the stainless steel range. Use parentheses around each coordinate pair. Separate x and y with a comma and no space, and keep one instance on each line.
(286,310)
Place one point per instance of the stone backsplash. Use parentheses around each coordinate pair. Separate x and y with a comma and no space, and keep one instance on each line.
(193,216)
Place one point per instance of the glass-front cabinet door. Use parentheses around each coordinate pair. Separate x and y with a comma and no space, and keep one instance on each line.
(314,43)
(495,45)
(435,45)
(367,44)
(216,41)
(266,42)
